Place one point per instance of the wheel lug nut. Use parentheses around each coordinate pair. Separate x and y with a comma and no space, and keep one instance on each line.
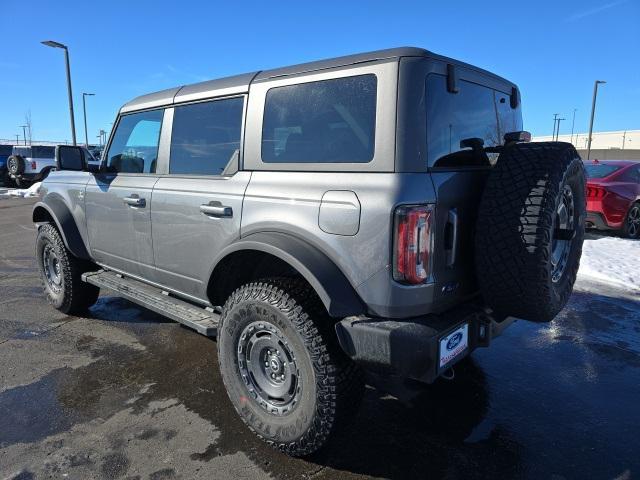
(282,377)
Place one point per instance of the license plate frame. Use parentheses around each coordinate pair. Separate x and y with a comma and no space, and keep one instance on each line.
(453,346)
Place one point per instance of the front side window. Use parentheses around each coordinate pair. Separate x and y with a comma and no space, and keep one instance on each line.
(134,148)
(460,125)
(205,137)
(330,121)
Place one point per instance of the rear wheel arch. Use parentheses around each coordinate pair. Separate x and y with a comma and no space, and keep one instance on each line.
(267,254)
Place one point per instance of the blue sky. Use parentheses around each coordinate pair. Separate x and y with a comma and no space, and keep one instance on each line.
(553,50)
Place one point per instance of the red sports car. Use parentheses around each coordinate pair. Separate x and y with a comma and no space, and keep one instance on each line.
(613,196)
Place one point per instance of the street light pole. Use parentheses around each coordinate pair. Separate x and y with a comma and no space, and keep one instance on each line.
(24,132)
(51,43)
(593,111)
(84,108)
(573,123)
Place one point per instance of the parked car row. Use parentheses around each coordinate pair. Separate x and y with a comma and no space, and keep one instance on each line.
(23,165)
(613,196)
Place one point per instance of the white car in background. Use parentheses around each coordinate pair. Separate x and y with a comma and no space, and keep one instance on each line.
(32,163)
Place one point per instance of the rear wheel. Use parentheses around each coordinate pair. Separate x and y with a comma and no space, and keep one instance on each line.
(282,368)
(60,272)
(631,227)
(530,230)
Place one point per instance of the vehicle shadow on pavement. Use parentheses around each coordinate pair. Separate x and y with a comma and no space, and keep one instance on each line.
(437,433)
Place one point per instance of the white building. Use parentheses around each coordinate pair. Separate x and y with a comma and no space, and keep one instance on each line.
(620,145)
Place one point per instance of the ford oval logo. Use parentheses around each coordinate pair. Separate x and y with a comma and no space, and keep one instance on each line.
(454,341)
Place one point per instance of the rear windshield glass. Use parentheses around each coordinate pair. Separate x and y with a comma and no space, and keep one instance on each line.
(460,125)
(43,152)
(330,121)
(600,170)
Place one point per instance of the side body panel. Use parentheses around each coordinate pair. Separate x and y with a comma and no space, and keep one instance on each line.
(186,240)
(119,233)
(290,202)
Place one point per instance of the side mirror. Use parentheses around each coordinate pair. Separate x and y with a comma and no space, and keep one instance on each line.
(70,158)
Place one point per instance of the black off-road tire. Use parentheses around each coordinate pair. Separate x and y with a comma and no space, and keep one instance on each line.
(631,226)
(15,165)
(516,230)
(331,384)
(72,295)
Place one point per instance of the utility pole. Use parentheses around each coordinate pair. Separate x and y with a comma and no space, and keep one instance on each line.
(573,123)
(84,108)
(51,43)
(17,139)
(24,133)
(558,130)
(593,112)
(624,137)
(555,119)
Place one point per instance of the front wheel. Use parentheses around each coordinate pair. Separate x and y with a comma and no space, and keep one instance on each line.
(631,227)
(282,368)
(60,272)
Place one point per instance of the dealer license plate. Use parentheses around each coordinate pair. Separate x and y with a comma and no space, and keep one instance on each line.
(454,344)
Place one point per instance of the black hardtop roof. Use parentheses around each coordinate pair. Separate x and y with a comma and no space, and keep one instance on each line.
(240,83)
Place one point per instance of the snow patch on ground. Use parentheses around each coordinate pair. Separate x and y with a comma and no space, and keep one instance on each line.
(611,260)
(32,191)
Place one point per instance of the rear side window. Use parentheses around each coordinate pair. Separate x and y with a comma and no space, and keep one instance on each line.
(460,125)
(600,170)
(5,150)
(22,151)
(206,137)
(134,148)
(330,121)
(43,152)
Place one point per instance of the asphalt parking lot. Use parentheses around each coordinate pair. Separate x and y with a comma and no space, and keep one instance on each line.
(123,393)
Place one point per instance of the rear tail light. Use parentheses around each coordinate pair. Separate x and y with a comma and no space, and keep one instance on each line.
(596,192)
(33,165)
(412,243)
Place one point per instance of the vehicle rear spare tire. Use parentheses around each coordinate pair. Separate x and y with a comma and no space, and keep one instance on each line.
(530,230)
(15,165)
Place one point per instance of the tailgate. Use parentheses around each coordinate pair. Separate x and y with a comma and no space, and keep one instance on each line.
(458,196)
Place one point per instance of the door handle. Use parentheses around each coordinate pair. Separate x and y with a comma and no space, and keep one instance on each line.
(451,237)
(135,201)
(215,209)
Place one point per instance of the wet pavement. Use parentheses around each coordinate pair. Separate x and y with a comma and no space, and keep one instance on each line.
(123,393)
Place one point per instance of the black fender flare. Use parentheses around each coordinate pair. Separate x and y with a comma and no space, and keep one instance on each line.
(335,291)
(58,210)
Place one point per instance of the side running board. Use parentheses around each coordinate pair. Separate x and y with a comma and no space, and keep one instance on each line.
(202,320)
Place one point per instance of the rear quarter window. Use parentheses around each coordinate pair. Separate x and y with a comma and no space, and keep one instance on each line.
(43,152)
(600,170)
(329,121)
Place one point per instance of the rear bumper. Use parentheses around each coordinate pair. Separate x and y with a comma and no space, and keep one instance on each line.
(410,348)
(596,220)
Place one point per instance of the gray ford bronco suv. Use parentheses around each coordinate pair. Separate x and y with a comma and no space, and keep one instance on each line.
(380,212)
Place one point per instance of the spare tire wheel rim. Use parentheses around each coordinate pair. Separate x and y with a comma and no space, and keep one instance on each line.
(268,368)
(52,268)
(633,221)
(560,248)
(13,165)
